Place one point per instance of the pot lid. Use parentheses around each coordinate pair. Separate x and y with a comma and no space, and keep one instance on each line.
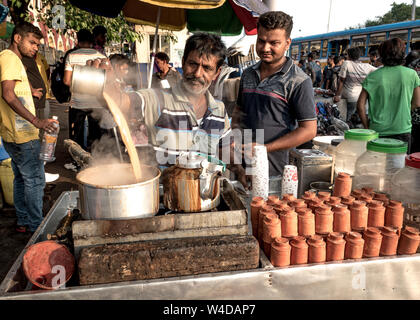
(360,134)
(413,160)
(385,145)
(190,160)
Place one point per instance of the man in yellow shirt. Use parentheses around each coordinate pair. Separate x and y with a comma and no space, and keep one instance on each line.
(19,127)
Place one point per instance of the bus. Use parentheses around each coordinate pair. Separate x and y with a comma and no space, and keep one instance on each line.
(336,43)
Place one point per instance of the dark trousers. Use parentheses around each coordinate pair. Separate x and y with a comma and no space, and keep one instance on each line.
(415,138)
(77,128)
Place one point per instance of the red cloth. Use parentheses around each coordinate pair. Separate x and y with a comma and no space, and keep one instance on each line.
(246,18)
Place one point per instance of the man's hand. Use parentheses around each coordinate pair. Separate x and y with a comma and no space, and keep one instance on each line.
(37,93)
(241,176)
(46,124)
(336,99)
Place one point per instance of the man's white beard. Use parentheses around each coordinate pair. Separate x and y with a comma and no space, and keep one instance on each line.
(192,91)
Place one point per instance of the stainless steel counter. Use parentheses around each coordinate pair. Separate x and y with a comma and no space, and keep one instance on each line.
(380,278)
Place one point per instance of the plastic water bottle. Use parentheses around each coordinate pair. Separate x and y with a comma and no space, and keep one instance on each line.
(49,141)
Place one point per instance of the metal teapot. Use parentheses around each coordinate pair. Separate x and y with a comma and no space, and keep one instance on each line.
(193,184)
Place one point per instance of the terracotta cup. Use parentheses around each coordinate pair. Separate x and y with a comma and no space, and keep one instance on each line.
(256,205)
(264,210)
(409,241)
(317,249)
(348,201)
(333,201)
(273,200)
(373,241)
(376,216)
(336,246)
(280,252)
(389,243)
(366,198)
(379,196)
(324,219)
(298,203)
(308,196)
(299,251)
(341,219)
(368,191)
(394,214)
(314,203)
(306,222)
(354,246)
(289,223)
(289,198)
(342,185)
(324,196)
(359,215)
(271,229)
(278,208)
(357,193)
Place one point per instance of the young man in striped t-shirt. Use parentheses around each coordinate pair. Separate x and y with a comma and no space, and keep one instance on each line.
(82,105)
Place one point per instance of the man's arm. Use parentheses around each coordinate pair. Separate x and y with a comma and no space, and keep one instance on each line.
(337,96)
(8,94)
(361,108)
(415,102)
(305,132)
(67,77)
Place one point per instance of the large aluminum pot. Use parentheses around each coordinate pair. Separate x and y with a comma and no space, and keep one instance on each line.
(114,202)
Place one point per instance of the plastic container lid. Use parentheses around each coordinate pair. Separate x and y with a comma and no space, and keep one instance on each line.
(361,134)
(413,160)
(385,145)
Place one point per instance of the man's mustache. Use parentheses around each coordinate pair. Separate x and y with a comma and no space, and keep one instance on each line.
(193,78)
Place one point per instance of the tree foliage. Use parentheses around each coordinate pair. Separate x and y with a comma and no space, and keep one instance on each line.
(118,29)
(399,12)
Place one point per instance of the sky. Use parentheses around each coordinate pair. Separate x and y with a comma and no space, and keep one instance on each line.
(310,17)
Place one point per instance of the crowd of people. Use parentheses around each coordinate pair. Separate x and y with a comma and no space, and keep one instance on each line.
(381,94)
(179,113)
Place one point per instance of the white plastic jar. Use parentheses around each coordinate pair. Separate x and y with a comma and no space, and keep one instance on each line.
(375,167)
(405,187)
(353,146)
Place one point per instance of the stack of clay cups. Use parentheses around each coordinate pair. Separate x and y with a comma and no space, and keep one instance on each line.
(336,246)
(256,205)
(342,185)
(289,223)
(394,214)
(324,196)
(317,249)
(271,230)
(308,196)
(409,241)
(389,243)
(324,220)
(280,253)
(341,219)
(354,246)
(373,240)
(299,251)
(359,216)
(306,222)
(263,212)
(376,216)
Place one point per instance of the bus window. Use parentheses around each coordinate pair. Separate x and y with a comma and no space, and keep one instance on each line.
(375,40)
(294,52)
(316,49)
(415,39)
(324,48)
(360,42)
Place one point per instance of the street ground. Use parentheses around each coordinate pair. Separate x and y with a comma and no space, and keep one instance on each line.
(11,242)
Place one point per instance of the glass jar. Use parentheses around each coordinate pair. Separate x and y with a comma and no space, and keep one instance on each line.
(405,187)
(353,146)
(375,168)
